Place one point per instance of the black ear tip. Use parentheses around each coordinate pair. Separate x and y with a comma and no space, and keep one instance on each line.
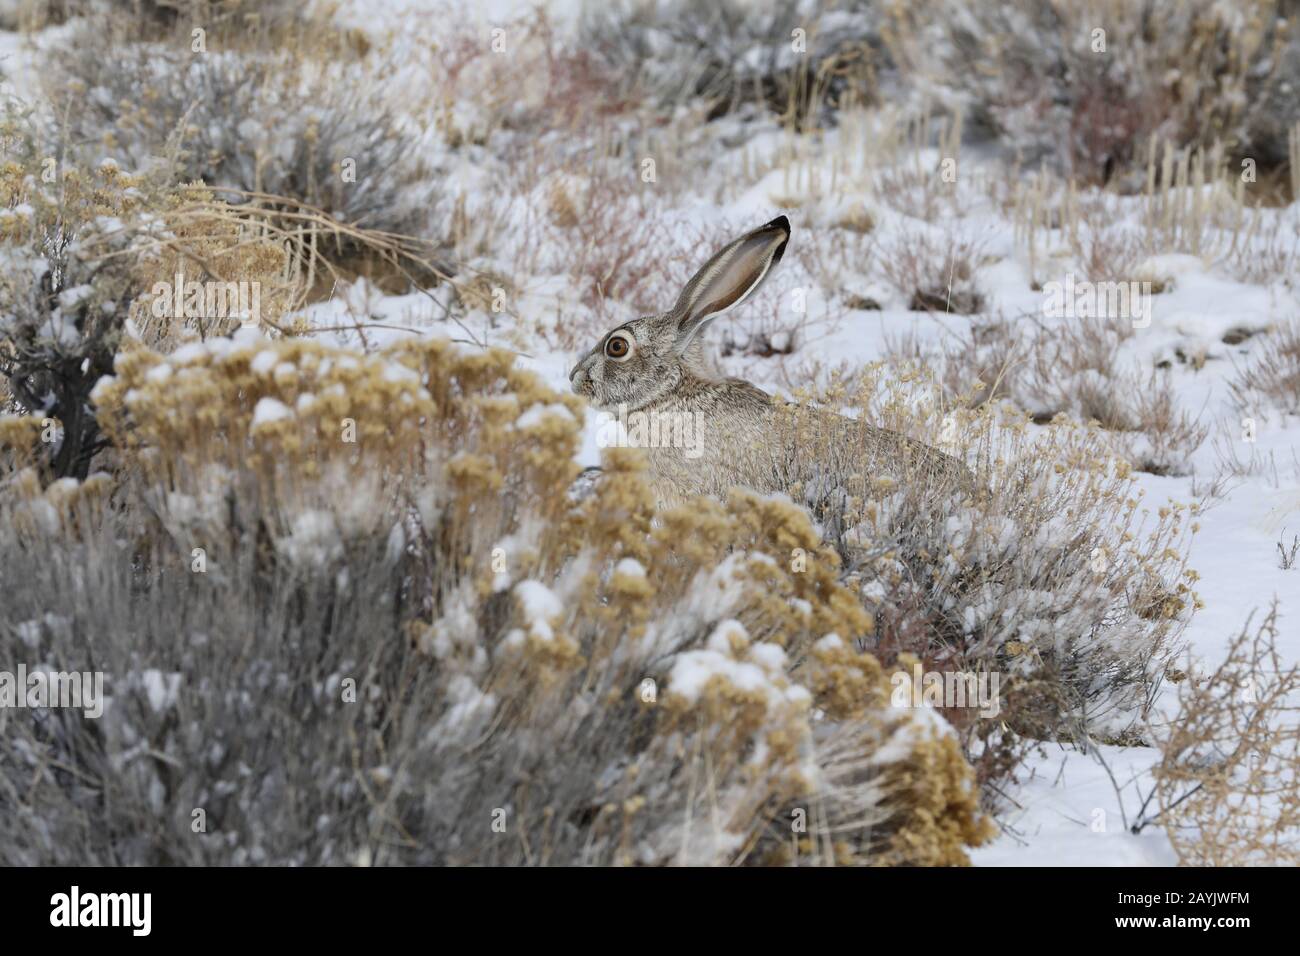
(783,225)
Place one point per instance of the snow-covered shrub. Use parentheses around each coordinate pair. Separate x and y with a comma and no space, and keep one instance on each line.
(613,246)
(85,251)
(276,127)
(1077,368)
(1270,378)
(159,15)
(795,58)
(933,274)
(529,81)
(1228,783)
(1085,85)
(348,612)
(66,288)
(1050,571)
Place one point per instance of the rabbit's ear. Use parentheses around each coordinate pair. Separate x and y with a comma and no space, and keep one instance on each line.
(729,278)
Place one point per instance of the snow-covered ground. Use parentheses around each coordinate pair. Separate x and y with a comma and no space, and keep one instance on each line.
(1068,809)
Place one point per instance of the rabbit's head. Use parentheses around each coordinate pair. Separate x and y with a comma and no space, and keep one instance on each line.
(644,361)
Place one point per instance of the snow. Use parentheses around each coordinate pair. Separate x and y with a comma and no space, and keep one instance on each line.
(264,362)
(1070,813)
(693,670)
(727,635)
(538,413)
(314,539)
(161,690)
(190,352)
(270,410)
(541,608)
(770,657)
(470,711)
(727,657)
(630,567)
(394,372)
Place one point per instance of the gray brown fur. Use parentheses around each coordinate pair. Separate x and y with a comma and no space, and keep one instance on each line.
(748,438)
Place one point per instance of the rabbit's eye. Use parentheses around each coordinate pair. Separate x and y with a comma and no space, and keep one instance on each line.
(618,347)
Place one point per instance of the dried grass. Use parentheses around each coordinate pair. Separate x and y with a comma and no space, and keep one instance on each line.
(1269,379)
(1228,782)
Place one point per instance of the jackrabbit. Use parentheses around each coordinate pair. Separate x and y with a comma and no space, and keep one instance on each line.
(705,434)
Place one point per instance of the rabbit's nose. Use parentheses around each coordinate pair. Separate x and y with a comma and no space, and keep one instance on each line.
(577,377)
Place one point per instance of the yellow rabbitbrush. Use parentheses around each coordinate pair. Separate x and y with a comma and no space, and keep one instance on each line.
(681,688)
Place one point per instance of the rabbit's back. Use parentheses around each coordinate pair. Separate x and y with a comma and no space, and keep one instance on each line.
(746,438)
